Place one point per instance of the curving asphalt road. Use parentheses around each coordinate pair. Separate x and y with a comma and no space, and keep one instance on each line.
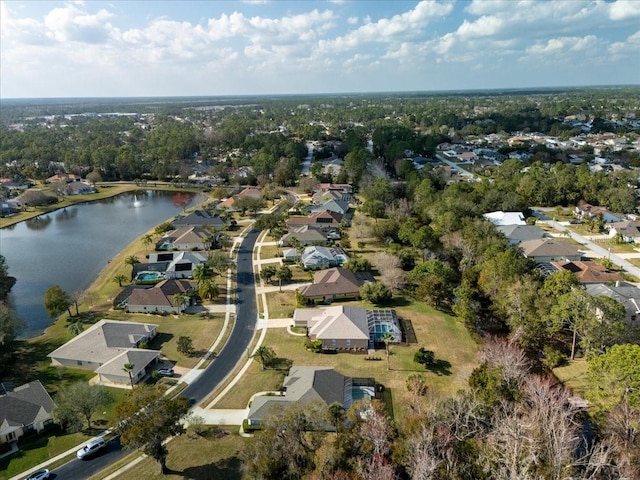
(216,371)
(240,338)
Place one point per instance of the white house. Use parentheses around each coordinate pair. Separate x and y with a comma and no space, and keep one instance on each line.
(505,218)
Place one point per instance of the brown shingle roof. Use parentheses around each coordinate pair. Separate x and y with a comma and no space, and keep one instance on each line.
(333,281)
(589,271)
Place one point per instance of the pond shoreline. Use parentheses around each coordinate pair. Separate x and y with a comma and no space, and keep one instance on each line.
(103,274)
(120,188)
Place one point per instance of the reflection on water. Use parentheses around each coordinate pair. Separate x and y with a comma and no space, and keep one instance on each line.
(66,214)
(38,223)
(72,251)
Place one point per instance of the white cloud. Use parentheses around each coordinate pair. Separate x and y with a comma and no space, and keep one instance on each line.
(405,25)
(624,9)
(485,26)
(71,24)
(563,45)
(352,20)
(631,46)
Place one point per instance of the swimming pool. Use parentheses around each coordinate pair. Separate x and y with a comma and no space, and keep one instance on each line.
(362,393)
(148,276)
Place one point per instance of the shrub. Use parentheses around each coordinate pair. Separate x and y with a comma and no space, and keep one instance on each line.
(424,357)
(553,357)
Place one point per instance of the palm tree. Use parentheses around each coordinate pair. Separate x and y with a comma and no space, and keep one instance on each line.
(387,337)
(264,355)
(202,272)
(180,299)
(336,415)
(75,326)
(147,240)
(128,367)
(120,278)
(131,260)
(208,289)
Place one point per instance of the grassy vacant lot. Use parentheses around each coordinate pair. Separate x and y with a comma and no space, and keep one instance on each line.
(454,348)
(197,457)
(573,375)
(281,304)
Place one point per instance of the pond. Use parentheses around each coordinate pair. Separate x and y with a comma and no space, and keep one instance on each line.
(70,247)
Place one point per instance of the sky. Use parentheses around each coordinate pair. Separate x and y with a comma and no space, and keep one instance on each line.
(201,48)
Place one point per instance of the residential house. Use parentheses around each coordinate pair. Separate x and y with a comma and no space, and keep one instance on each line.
(201,218)
(348,328)
(520,233)
(181,264)
(338,206)
(24,409)
(185,238)
(585,210)
(325,219)
(505,218)
(78,188)
(317,257)
(306,384)
(106,347)
(290,255)
(340,187)
(306,235)
(627,294)
(332,166)
(160,298)
(335,283)
(588,271)
(321,196)
(546,250)
(63,177)
(249,191)
(627,230)
(8,208)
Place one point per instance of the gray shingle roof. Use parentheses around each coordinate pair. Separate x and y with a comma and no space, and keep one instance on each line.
(103,341)
(26,404)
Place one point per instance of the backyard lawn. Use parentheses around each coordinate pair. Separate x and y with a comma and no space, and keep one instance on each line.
(573,375)
(454,348)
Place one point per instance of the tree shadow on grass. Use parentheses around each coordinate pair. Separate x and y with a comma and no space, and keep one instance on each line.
(280,364)
(160,340)
(440,367)
(225,469)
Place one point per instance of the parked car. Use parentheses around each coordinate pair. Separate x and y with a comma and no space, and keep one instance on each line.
(91,448)
(166,372)
(39,475)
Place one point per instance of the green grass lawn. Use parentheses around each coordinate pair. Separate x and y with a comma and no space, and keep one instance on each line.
(573,375)
(196,457)
(281,304)
(46,446)
(269,251)
(203,332)
(39,450)
(454,348)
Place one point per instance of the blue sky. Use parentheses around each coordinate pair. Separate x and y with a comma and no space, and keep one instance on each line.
(160,48)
